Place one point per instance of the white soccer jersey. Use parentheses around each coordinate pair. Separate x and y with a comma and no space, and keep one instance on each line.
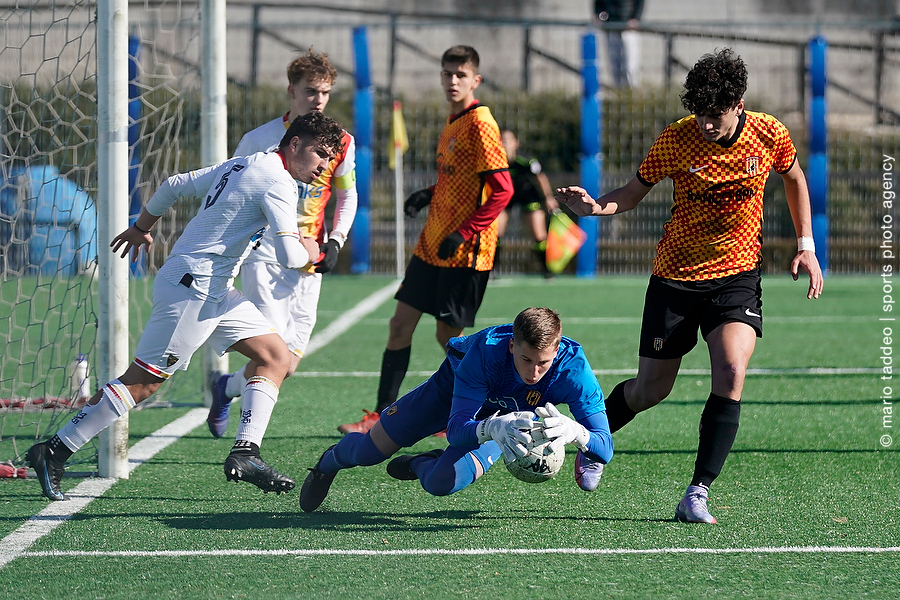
(263,138)
(240,199)
(339,177)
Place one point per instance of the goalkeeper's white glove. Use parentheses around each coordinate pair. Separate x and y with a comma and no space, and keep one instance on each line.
(511,432)
(561,429)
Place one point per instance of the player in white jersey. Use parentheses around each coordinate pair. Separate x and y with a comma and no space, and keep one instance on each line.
(194,300)
(287,297)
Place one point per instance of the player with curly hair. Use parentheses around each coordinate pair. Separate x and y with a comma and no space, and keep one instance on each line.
(706,273)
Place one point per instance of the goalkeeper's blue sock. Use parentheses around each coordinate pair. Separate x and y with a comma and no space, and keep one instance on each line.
(446,475)
(354,449)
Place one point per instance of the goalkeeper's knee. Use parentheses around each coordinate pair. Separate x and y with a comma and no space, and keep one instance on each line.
(445,478)
(445,481)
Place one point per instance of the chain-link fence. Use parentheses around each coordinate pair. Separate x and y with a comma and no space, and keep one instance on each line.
(532,84)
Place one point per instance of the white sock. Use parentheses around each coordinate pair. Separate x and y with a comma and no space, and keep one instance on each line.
(115,401)
(234,387)
(257,404)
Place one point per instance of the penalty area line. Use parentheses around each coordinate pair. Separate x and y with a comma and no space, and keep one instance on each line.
(466,551)
(57,513)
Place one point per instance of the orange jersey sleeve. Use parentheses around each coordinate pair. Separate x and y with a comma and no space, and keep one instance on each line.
(468,149)
(716,223)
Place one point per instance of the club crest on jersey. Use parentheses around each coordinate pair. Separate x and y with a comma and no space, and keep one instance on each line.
(392,410)
(658,343)
(752,165)
(171,360)
(533,397)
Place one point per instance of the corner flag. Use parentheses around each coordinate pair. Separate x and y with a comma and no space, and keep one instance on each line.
(398,138)
(564,239)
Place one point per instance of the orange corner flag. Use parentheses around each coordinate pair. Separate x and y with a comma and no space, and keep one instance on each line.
(564,239)
(398,138)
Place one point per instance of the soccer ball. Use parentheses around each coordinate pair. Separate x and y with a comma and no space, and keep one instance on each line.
(540,464)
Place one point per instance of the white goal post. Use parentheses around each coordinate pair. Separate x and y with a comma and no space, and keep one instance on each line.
(113,353)
(112,104)
(100,101)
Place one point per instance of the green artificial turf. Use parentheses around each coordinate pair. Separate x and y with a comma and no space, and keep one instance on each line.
(807,472)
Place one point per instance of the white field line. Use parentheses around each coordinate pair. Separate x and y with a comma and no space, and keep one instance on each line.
(467,551)
(486,321)
(350,318)
(56,513)
(822,371)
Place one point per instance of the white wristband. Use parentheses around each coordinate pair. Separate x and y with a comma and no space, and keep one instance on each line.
(806,243)
(481,432)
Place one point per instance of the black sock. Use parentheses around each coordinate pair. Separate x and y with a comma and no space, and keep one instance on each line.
(617,410)
(245,447)
(718,428)
(394,364)
(60,451)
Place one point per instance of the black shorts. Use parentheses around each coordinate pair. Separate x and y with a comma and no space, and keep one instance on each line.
(675,310)
(452,295)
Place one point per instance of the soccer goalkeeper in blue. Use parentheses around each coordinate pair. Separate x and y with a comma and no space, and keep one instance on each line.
(487,393)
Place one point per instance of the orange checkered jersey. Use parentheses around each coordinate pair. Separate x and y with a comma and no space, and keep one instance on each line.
(716,223)
(469,148)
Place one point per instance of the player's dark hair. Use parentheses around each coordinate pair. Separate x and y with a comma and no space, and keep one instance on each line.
(460,55)
(314,65)
(715,84)
(318,126)
(540,328)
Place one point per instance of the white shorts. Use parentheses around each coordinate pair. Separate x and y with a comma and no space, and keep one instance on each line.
(181,322)
(287,297)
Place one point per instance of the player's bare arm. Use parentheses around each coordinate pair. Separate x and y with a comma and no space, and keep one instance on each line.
(135,236)
(617,201)
(549,200)
(798,203)
(312,248)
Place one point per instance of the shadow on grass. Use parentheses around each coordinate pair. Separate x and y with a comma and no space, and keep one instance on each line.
(360,522)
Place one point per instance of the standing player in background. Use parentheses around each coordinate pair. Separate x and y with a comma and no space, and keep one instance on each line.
(531,191)
(451,264)
(706,272)
(621,38)
(194,300)
(486,394)
(288,297)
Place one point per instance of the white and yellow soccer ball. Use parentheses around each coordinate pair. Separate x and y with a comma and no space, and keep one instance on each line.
(540,464)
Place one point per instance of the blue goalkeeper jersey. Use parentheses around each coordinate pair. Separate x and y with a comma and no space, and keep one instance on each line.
(486,382)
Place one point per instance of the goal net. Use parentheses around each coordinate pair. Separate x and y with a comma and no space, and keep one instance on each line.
(48,190)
